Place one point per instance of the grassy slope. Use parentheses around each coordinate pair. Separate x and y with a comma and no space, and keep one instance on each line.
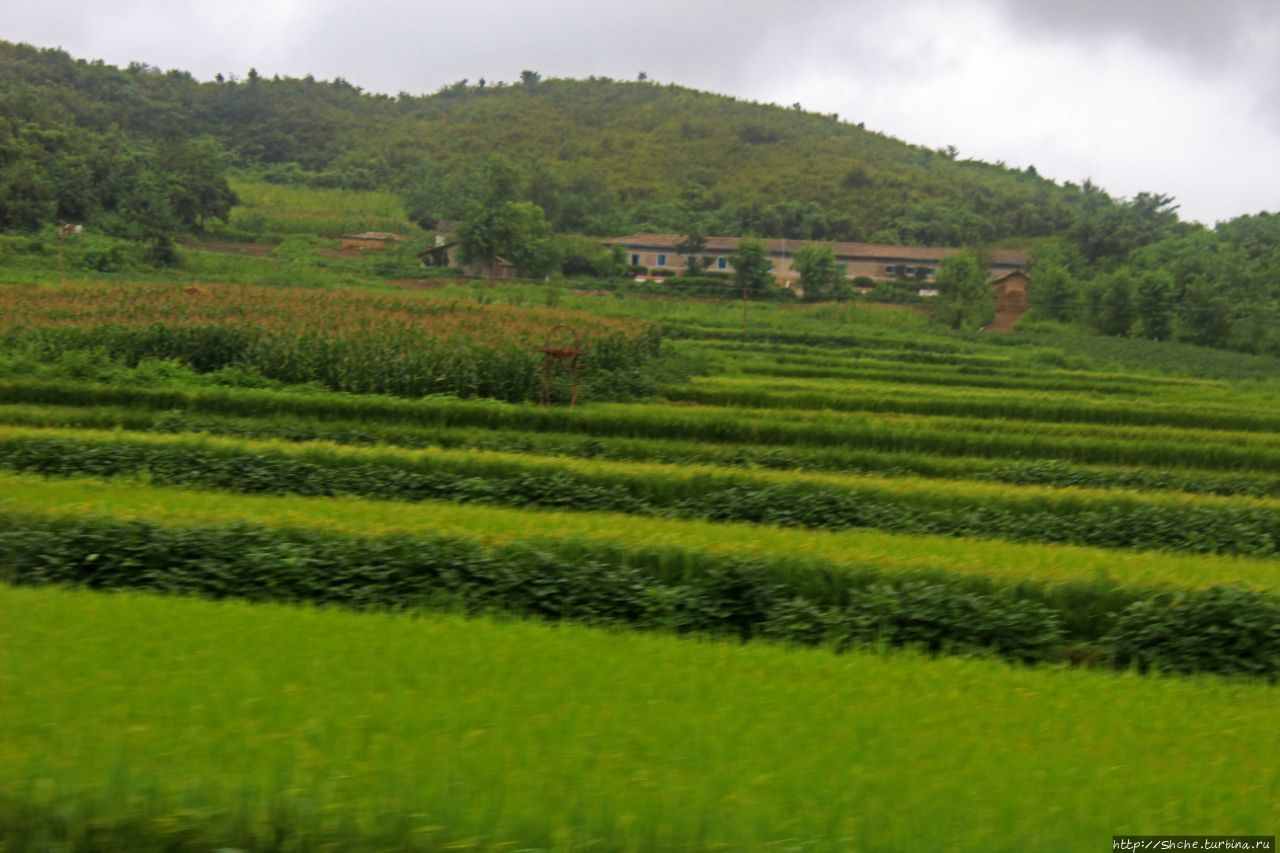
(163,721)
(326,213)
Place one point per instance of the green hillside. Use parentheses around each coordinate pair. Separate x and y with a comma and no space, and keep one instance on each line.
(604,156)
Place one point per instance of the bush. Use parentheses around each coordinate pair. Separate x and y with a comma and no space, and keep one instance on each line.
(1220,629)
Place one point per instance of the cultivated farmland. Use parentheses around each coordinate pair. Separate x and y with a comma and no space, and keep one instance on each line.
(729,490)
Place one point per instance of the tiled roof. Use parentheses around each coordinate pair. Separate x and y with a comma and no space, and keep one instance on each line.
(847,251)
(372,235)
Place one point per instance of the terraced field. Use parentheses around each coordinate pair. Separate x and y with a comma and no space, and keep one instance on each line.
(838,478)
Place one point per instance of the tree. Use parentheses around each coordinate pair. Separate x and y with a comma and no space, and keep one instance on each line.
(1116,311)
(752,269)
(588,256)
(198,183)
(965,297)
(1155,305)
(501,181)
(515,230)
(1054,293)
(530,79)
(691,244)
(1204,319)
(26,199)
(820,277)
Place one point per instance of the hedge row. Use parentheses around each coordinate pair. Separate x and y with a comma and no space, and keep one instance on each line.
(1221,630)
(1097,520)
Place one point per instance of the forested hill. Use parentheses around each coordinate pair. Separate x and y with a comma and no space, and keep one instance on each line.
(601,156)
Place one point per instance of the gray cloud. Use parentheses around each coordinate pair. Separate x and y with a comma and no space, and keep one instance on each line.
(1199,30)
(1227,38)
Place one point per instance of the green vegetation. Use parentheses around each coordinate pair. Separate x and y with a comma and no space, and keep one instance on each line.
(453,557)
(259,415)
(965,299)
(272,211)
(600,156)
(342,341)
(145,156)
(377,732)
(790,499)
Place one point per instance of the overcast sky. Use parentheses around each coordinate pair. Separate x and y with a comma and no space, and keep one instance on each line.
(1174,96)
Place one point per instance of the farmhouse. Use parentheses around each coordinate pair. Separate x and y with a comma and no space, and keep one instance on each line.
(876,261)
(371,240)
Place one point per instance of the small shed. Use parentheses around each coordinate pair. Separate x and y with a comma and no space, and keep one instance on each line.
(496,267)
(371,240)
(1011,293)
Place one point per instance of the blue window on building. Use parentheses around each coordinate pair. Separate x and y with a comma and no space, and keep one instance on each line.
(635,260)
(662,260)
(722,263)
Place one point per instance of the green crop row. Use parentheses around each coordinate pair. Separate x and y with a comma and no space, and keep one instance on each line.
(1035,382)
(923,400)
(849,552)
(791,499)
(870,367)
(1001,365)
(774,329)
(1042,472)
(1201,449)
(375,732)
(851,354)
(1229,630)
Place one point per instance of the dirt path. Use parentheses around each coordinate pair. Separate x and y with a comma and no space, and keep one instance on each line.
(257,250)
(1004,321)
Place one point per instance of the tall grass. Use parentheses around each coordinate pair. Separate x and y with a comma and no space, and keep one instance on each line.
(273,209)
(378,732)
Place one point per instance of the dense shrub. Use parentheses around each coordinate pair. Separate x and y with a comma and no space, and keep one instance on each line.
(1220,629)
